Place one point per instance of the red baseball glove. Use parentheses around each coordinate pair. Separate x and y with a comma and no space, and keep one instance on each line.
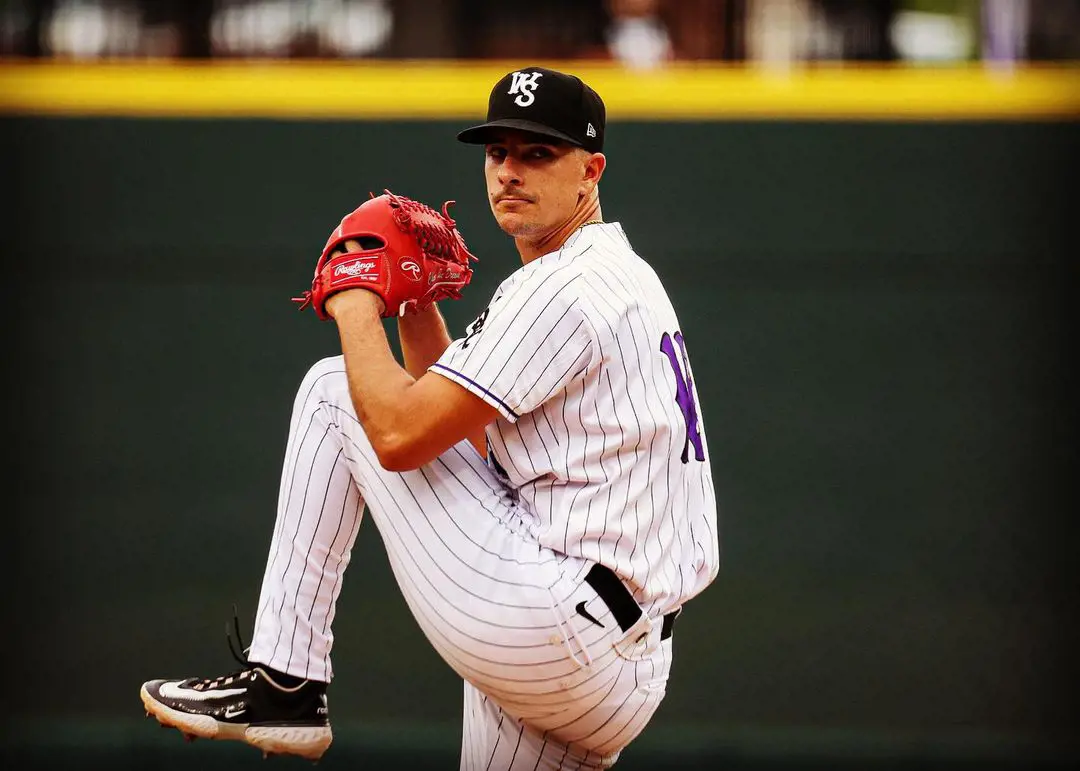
(411,256)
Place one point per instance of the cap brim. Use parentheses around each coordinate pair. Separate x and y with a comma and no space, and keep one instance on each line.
(482,134)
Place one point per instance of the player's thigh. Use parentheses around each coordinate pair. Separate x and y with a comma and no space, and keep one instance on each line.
(459,479)
(477,581)
(493,740)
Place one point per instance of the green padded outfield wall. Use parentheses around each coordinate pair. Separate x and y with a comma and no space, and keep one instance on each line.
(877,315)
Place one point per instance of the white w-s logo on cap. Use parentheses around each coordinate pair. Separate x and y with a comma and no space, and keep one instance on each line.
(524,84)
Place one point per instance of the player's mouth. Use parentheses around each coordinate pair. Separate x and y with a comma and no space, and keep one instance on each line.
(512,199)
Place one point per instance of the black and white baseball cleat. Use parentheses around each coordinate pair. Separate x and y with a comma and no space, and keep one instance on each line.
(248,706)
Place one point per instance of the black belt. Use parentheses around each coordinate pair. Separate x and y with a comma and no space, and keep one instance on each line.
(620,602)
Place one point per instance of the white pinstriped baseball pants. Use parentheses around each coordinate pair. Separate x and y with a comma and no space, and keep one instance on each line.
(544,687)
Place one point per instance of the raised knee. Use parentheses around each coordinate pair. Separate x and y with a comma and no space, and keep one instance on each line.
(325,381)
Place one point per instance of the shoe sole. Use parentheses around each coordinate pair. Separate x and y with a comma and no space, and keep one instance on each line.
(306,741)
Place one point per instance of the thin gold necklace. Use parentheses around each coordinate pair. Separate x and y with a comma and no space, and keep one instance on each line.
(592,222)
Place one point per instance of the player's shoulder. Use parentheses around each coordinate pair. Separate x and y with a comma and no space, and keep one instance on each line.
(618,283)
(605,265)
(556,268)
(608,238)
(606,248)
(597,263)
(610,264)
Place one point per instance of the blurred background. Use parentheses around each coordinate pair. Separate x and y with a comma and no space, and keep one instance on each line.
(635,33)
(861,210)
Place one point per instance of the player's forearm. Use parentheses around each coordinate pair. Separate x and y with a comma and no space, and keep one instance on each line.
(381,391)
(424,337)
(377,383)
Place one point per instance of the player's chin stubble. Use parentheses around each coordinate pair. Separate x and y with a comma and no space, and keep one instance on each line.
(515,225)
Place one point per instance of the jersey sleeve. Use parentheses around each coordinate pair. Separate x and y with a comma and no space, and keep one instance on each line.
(525,347)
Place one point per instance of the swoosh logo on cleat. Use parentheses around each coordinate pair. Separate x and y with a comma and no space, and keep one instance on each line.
(174,691)
(232,712)
(580,608)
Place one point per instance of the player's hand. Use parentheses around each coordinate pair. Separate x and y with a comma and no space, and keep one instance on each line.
(358,294)
(403,251)
(340,303)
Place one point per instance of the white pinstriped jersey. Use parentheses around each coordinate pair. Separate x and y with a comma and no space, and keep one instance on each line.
(600,436)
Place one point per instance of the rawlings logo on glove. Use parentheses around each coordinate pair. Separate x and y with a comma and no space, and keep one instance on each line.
(410,256)
(357,268)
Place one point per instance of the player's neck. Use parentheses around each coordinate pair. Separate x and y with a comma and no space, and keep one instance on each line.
(531,249)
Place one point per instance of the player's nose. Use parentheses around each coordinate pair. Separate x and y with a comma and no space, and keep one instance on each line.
(509,173)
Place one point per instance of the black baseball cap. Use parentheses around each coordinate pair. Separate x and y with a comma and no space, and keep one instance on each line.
(546,102)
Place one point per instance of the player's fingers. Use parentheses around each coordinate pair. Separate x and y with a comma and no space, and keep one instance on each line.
(352,245)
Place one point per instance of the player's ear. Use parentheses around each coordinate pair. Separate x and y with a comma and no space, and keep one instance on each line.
(595,163)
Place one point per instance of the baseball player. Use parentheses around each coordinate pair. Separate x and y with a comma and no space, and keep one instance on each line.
(541,484)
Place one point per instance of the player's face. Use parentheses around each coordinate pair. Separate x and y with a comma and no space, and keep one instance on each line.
(533,185)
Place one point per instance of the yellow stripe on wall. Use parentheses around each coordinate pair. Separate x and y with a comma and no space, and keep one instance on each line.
(382,90)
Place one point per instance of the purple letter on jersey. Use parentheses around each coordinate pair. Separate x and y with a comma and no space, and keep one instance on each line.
(684,395)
